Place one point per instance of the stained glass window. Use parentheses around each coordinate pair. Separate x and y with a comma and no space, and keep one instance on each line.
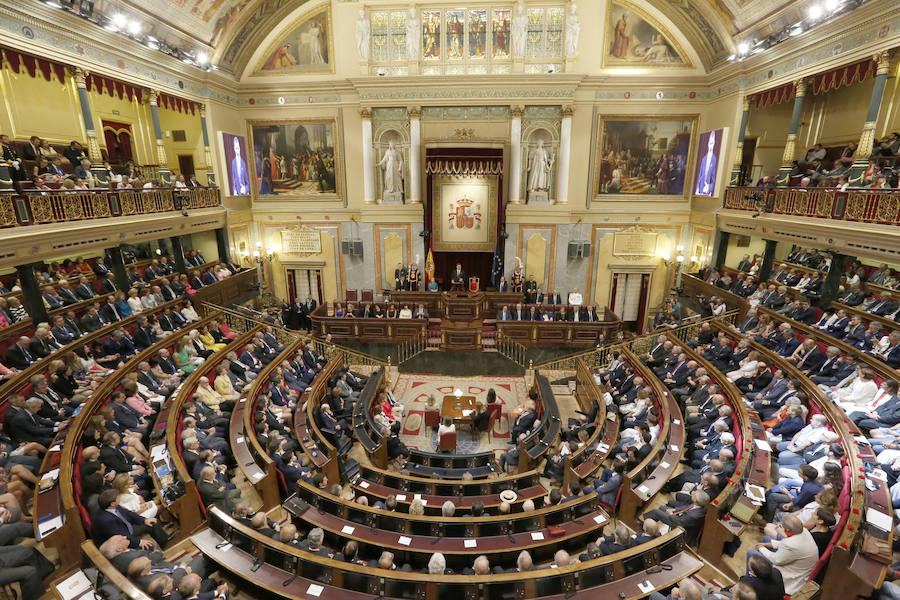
(500,28)
(534,42)
(459,41)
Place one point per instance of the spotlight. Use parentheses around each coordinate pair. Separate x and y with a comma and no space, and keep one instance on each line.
(815,12)
(134,27)
(119,20)
(796,31)
(743,48)
(832,5)
(202,57)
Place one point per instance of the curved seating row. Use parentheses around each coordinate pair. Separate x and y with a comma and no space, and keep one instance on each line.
(542,438)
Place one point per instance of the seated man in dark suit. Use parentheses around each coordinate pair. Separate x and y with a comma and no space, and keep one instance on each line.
(524,421)
(115,520)
(213,491)
(690,518)
(620,540)
(458,278)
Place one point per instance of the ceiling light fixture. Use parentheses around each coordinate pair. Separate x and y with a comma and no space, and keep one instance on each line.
(815,12)
(134,27)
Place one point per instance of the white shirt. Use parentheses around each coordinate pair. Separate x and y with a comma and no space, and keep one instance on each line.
(405,313)
(135,303)
(575,299)
(148,185)
(795,558)
(442,429)
(857,395)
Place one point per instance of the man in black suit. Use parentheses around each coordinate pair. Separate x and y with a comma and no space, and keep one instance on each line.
(19,356)
(109,311)
(502,286)
(554,298)
(108,284)
(525,421)
(504,314)
(84,291)
(518,313)
(213,491)
(26,426)
(100,268)
(31,150)
(533,314)
(620,540)
(745,264)
(68,295)
(458,279)
(530,289)
(115,520)
(690,517)
(308,307)
(90,321)
(43,343)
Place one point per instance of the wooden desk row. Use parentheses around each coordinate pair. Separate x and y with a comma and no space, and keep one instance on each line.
(648,477)
(585,461)
(59,501)
(555,333)
(294,573)
(319,450)
(694,286)
(539,440)
(367,433)
(836,584)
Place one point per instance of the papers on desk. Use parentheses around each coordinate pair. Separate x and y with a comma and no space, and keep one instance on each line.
(676,422)
(674,448)
(879,519)
(643,489)
(467,411)
(537,535)
(48,526)
(470,543)
(756,494)
(226,547)
(56,448)
(663,465)
(54,474)
(611,416)
(417,496)
(400,497)
(763,445)
(348,529)
(646,587)
(239,439)
(406,541)
(365,484)
(73,586)
(603,448)
(315,590)
(599,519)
(158,452)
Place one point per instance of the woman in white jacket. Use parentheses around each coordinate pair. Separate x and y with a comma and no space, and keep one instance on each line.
(747,367)
(128,499)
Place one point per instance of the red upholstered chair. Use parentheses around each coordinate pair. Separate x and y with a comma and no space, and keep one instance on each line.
(368,296)
(432,417)
(352,295)
(448,442)
(494,415)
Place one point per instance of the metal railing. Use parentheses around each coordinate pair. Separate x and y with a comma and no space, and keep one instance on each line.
(595,357)
(512,349)
(411,348)
(858,205)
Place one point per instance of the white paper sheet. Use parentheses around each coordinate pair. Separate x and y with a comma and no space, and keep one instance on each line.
(879,519)
(470,543)
(401,497)
(538,535)
(348,529)
(675,448)
(55,448)
(49,526)
(643,489)
(364,484)
(599,519)
(73,586)
(676,422)
(663,465)
(51,474)
(603,448)
(467,411)
(404,540)
(315,590)
(762,445)
(645,587)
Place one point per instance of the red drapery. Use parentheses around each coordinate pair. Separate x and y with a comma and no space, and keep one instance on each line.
(842,76)
(821,83)
(113,87)
(179,104)
(34,65)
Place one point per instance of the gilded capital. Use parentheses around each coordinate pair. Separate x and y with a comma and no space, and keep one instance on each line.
(883,60)
(568,110)
(413,111)
(801,86)
(202,111)
(153,98)
(80,76)
(365,112)
(746,105)
(516,111)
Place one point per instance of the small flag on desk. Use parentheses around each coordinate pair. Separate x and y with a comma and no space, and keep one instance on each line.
(429,265)
(497,266)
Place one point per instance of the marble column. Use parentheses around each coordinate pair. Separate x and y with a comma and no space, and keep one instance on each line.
(153,101)
(368,156)
(222,244)
(721,249)
(414,193)
(85,102)
(178,253)
(117,265)
(784,173)
(515,159)
(32,299)
(832,281)
(207,155)
(739,151)
(565,149)
(768,259)
(866,140)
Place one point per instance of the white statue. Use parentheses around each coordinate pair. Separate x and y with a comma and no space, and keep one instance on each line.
(573,29)
(519,27)
(539,164)
(362,35)
(392,165)
(413,31)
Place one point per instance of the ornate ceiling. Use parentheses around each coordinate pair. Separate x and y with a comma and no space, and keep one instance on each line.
(228,31)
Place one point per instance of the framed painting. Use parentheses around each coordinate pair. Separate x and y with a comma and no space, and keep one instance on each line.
(295,159)
(633,38)
(644,155)
(709,154)
(307,48)
(464,216)
(236,167)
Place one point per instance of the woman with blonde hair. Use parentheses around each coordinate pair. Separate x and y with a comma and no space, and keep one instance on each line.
(183,360)
(416,508)
(208,341)
(124,484)
(134,301)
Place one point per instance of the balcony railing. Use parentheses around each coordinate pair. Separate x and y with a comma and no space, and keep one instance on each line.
(35,207)
(861,206)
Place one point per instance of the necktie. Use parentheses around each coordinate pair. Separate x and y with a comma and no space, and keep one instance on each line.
(126,521)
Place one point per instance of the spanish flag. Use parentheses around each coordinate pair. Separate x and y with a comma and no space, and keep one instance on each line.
(429,266)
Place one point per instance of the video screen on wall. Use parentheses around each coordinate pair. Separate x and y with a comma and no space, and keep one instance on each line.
(236,164)
(709,149)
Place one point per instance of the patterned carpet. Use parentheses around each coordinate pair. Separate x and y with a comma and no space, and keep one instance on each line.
(413,389)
